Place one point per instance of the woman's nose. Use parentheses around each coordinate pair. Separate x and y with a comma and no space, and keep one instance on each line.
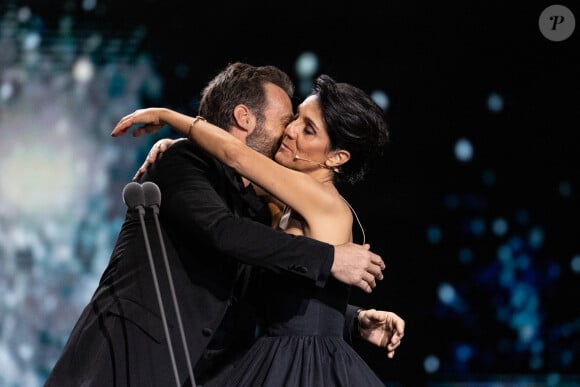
(290,130)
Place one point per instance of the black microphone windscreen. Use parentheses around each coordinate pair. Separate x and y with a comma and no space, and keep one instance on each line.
(133,195)
(152,194)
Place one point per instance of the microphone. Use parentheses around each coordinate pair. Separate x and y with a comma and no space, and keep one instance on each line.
(134,198)
(152,196)
(296,157)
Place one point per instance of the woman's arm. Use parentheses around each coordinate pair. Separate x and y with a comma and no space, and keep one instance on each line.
(301,192)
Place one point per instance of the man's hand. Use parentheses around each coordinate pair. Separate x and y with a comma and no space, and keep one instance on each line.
(358,266)
(159,147)
(383,329)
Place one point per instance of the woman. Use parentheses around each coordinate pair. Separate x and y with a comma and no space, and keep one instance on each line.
(334,136)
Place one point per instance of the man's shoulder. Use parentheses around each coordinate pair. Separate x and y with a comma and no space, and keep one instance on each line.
(187,148)
(181,158)
(182,145)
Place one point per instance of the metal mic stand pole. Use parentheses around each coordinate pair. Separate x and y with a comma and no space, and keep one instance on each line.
(134,197)
(153,200)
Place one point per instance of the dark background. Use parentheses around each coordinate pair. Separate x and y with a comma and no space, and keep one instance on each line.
(438,62)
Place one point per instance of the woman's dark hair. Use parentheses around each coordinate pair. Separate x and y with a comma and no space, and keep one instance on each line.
(354,123)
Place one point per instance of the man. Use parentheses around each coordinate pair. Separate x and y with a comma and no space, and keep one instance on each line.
(215,227)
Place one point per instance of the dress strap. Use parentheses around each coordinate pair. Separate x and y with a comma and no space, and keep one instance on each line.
(357,219)
(283,223)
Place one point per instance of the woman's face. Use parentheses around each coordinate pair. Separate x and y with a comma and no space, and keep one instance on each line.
(305,142)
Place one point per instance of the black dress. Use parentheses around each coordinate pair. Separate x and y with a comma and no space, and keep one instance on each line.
(302,342)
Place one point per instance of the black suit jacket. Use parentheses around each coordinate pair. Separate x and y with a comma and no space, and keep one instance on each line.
(210,236)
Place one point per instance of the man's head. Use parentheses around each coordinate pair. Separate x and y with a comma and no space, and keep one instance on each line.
(251,102)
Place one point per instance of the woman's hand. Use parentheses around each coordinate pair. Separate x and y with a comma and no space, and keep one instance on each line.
(382,328)
(158,148)
(148,119)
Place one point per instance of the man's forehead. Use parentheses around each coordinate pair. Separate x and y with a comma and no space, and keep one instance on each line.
(278,104)
(280,116)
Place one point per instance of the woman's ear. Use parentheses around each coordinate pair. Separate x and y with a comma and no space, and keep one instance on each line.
(245,120)
(336,158)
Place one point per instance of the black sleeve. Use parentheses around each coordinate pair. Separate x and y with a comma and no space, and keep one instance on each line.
(351,325)
(189,183)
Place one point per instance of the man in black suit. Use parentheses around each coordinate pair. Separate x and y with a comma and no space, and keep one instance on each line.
(215,229)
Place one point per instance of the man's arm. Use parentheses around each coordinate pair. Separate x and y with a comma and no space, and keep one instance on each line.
(191,201)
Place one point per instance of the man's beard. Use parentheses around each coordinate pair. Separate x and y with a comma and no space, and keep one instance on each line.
(262,141)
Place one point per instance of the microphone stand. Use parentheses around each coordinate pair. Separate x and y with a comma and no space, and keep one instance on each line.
(153,200)
(135,199)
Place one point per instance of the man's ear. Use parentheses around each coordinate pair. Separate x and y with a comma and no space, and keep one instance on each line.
(336,158)
(245,119)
